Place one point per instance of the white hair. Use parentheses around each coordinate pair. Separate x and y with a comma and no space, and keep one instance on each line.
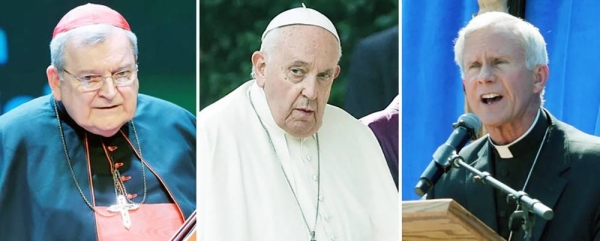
(90,35)
(532,40)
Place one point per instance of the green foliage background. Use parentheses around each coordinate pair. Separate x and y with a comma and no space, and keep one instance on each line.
(230,32)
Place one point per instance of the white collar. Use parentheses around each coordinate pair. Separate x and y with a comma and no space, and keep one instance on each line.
(504,150)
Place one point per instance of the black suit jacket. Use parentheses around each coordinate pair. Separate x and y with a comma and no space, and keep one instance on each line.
(373,74)
(564,179)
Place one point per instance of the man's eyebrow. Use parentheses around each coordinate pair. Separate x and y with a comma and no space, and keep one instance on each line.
(329,72)
(299,63)
(96,72)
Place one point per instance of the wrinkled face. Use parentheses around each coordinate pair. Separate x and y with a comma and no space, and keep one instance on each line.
(296,75)
(499,88)
(105,110)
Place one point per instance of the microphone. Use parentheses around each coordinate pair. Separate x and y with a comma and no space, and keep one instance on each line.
(467,127)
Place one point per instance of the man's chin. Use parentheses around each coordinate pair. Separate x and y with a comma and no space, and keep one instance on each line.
(302,131)
(105,130)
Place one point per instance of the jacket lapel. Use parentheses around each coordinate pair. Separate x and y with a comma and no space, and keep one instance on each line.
(546,184)
(483,204)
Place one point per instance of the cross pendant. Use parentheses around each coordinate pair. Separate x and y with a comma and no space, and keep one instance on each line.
(123,207)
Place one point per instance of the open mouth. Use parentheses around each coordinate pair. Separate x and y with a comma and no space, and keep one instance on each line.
(490,98)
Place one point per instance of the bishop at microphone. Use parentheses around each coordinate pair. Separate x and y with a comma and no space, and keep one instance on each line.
(504,68)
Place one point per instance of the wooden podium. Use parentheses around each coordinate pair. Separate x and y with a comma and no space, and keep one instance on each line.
(442,219)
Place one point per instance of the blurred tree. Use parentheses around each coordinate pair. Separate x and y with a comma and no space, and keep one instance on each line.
(230,32)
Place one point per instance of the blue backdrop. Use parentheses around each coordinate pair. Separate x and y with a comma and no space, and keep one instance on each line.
(431,85)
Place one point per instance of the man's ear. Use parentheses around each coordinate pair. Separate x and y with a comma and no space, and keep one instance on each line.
(258,66)
(541,73)
(54,81)
(337,71)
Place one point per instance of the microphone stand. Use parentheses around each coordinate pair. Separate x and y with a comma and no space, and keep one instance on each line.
(529,206)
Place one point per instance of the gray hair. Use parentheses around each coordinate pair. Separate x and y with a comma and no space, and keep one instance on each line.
(270,41)
(90,35)
(532,40)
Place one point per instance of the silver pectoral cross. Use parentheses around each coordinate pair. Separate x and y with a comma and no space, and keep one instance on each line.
(123,207)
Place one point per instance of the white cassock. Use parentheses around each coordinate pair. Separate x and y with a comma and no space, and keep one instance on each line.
(244,194)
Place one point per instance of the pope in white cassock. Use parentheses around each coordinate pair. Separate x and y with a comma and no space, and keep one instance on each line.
(277,163)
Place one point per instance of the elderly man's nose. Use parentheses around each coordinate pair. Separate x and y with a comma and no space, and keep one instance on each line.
(310,89)
(108,89)
(485,75)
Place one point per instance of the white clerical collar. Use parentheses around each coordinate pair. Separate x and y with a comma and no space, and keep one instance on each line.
(504,150)
(258,97)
